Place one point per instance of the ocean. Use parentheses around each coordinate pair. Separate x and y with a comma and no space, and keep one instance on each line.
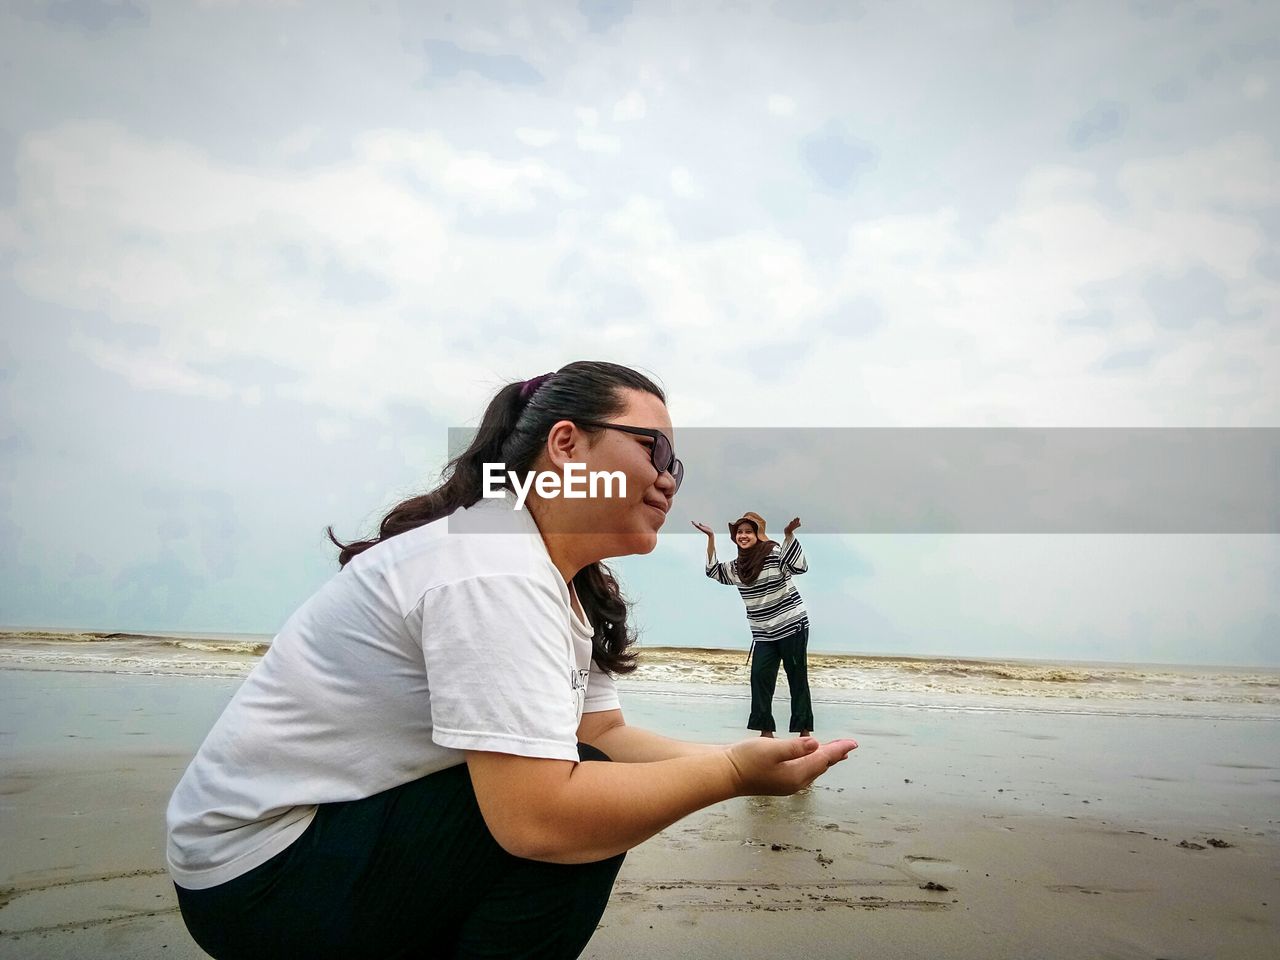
(918,682)
(1148,742)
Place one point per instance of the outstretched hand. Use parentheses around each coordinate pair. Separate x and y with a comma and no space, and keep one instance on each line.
(772,767)
(791,527)
(703,527)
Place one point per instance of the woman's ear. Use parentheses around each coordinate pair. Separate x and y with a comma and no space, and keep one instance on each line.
(565,443)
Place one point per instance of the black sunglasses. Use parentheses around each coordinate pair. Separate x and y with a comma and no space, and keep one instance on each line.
(661,452)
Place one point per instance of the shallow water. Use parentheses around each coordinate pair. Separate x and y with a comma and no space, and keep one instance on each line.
(1148,768)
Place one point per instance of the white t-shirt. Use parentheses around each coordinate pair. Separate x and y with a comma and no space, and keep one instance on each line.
(430,643)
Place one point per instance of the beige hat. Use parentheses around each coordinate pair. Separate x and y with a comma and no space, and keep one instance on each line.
(755,520)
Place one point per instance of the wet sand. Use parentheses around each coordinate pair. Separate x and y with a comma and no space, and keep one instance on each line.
(1053,837)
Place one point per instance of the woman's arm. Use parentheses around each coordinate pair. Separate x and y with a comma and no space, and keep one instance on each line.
(719,572)
(711,541)
(792,557)
(606,730)
(564,812)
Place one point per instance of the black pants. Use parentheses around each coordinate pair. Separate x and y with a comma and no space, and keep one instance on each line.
(410,872)
(792,652)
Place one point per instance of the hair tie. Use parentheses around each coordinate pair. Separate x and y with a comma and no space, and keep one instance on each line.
(530,386)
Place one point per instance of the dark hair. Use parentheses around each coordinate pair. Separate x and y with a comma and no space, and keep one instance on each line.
(513,431)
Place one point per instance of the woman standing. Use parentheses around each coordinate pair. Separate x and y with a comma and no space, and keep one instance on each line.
(400,775)
(779,625)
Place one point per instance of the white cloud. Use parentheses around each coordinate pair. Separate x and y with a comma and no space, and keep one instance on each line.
(473,178)
(297,143)
(231,259)
(533,137)
(151,371)
(225,263)
(754,283)
(682,184)
(592,142)
(329,429)
(1240,169)
(781,105)
(650,77)
(997,300)
(630,107)
(11,237)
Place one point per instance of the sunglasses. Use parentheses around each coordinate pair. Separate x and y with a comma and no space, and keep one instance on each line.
(661,453)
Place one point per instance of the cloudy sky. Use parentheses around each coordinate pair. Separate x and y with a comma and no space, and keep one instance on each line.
(256,258)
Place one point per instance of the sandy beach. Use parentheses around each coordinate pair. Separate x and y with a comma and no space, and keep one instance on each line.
(969,832)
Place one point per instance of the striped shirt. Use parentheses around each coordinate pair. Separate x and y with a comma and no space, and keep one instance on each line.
(774,607)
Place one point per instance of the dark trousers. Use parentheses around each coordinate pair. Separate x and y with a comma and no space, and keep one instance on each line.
(410,872)
(792,652)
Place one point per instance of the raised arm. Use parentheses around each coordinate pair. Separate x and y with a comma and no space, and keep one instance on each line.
(793,558)
(719,572)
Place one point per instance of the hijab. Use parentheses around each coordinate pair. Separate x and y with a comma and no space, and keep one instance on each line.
(751,559)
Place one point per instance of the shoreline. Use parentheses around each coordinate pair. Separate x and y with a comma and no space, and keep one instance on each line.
(904,681)
(93,634)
